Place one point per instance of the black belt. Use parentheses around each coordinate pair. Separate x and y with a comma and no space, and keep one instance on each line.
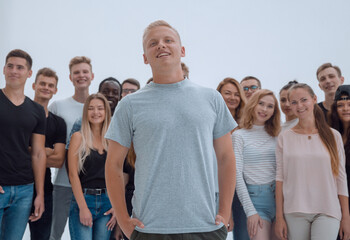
(91,191)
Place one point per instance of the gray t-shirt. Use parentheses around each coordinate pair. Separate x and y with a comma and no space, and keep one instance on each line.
(173,127)
(70,110)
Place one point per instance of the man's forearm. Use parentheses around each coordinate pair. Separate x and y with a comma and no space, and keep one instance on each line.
(116,191)
(56,156)
(227,184)
(39,169)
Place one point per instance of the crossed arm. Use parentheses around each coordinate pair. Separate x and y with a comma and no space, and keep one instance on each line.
(56,156)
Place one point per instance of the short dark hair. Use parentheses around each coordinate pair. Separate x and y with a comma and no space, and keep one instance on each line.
(254,78)
(111,79)
(21,54)
(47,72)
(132,81)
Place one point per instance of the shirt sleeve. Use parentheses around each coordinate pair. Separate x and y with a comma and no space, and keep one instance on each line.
(241,187)
(342,184)
(121,128)
(61,133)
(40,127)
(76,127)
(279,159)
(224,121)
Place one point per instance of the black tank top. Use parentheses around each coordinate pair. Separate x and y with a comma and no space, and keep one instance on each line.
(93,173)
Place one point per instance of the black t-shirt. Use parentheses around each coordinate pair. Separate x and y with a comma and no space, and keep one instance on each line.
(325,111)
(93,173)
(17,124)
(55,133)
(130,187)
(131,172)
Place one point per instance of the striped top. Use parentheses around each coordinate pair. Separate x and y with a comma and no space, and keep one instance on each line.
(256,162)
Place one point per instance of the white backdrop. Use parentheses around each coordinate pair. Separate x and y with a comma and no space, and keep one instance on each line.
(274,40)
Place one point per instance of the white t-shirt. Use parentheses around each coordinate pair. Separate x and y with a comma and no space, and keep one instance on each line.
(70,110)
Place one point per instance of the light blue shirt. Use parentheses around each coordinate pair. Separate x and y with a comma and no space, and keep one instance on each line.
(173,127)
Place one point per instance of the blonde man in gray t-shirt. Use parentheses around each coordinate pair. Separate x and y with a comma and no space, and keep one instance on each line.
(179,129)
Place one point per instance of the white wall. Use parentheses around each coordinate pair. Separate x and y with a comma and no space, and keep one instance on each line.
(276,41)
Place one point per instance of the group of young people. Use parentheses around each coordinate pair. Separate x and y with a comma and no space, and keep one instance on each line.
(291,177)
(33,140)
(176,149)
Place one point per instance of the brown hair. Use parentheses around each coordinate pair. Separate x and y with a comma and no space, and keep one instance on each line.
(132,81)
(272,125)
(79,59)
(46,72)
(239,110)
(324,130)
(131,157)
(337,124)
(251,77)
(327,65)
(288,85)
(185,70)
(21,54)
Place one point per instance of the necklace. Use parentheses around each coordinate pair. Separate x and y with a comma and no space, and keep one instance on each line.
(308,132)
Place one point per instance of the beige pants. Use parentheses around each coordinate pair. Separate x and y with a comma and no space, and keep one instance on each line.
(302,226)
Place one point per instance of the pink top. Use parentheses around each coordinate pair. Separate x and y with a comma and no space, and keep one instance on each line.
(304,167)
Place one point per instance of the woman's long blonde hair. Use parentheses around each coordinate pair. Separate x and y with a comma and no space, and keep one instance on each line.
(272,125)
(87,138)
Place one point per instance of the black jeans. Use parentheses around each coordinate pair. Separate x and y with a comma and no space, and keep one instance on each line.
(41,229)
(220,234)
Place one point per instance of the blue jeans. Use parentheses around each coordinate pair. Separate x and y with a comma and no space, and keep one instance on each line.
(98,205)
(40,230)
(15,206)
(240,231)
(263,199)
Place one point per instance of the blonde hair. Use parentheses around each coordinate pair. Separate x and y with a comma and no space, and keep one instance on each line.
(323,128)
(239,109)
(158,23)
(272,125)
(87,138)
(77,60)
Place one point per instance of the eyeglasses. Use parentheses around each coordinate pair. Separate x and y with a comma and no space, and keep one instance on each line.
(126,90)
(253,88)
